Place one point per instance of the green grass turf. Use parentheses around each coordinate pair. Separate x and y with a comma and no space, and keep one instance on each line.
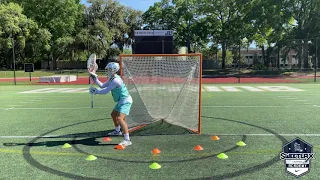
(224,113)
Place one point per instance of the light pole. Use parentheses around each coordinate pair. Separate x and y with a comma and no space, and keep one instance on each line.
(316,63)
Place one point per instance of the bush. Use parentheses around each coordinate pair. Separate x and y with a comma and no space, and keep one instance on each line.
(259,67)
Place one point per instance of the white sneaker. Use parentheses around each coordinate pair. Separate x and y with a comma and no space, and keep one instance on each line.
(126,143)
(115,133)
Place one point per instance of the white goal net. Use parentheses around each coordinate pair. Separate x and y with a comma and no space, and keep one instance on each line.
(164,88)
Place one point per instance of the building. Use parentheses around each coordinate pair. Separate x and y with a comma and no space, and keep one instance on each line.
(252,55)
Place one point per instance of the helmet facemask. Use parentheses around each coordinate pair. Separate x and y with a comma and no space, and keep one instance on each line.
(112,68)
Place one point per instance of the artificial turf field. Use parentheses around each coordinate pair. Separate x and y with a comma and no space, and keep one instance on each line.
(35,126)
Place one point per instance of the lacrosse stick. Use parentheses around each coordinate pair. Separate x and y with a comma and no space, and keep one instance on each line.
(92,67)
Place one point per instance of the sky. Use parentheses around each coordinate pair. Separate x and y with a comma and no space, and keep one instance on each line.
(135,4)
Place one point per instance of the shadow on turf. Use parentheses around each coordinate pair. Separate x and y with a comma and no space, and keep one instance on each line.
(157,128)
(236,173)
(91,140)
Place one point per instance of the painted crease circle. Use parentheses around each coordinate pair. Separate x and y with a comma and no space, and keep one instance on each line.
(28,157)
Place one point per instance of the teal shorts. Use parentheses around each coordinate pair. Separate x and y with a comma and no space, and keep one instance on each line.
(123,108)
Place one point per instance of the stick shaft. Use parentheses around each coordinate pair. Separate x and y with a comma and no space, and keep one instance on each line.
(91,95)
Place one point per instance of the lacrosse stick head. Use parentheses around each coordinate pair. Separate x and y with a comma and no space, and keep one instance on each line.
(92,64)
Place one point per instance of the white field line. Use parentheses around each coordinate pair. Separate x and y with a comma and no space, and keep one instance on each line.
(77,108)
(252,106)
(212,89)
(207,88)
(315,135)
(55,136)
(244,106)
(37,90)
(25,137)
(253,89)
(230,89)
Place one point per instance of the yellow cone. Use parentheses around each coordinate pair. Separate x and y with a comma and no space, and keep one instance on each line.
(66,145)
(91,158)
(241,143)
(155,166)
(222,156)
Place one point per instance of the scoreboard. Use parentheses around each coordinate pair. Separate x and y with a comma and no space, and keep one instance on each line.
(153,42)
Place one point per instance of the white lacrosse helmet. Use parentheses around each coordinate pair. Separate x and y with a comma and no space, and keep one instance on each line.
(112,68)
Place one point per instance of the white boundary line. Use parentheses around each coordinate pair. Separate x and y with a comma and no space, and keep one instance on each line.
(206,88)
(316,135)
(25,137)
(253,106)
(76,108)
(14,108)
(57,136)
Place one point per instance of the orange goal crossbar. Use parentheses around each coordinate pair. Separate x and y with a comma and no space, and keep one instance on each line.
(174,55)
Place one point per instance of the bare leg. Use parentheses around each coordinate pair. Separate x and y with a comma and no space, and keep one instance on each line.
(114,115)
(121,119)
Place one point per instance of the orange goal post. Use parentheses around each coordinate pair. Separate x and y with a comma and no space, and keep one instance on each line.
(164,87)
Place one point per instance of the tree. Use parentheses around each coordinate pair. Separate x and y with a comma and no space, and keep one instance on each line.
(30,40)
(181,16)
(224,20)
(109,27)
(269,21)
(60,18)
(133,21)
(306,15)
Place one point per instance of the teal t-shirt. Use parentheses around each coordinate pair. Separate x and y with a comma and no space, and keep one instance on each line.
(119,93)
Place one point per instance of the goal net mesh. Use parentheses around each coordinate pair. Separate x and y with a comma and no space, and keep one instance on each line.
(164,89)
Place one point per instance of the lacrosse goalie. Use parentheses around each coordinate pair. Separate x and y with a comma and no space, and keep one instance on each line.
(120,95)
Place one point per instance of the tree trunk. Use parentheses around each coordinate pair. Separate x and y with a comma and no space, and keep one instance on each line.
(269,52)
(278,59)
(224,54)
(72,58)
(53,63)
(318,52)
(48,67)
(305,55)
(264,56)
(9,60)
(299,54)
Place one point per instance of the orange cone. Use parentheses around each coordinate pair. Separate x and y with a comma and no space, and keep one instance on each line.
(155,151)
(198,148)
(106,139)
(119,147)
(215,138)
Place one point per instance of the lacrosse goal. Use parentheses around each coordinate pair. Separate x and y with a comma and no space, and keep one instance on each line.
(164,88)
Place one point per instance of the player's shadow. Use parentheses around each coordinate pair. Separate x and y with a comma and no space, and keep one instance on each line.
(88,139)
